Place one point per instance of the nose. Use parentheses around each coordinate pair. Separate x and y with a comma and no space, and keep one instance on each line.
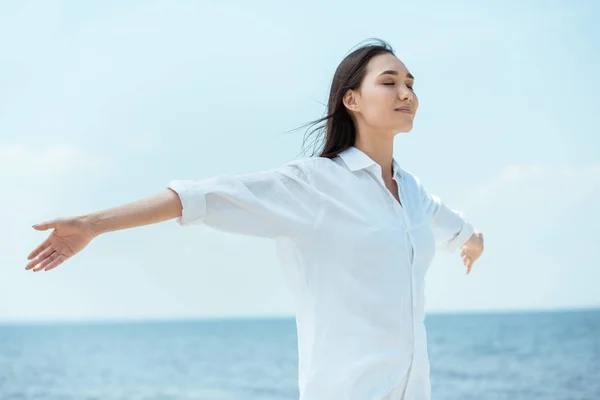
(405,93)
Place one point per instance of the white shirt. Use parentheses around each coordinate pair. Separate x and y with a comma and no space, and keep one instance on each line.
(354,259)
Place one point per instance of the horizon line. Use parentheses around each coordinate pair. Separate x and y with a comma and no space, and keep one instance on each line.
(256,317)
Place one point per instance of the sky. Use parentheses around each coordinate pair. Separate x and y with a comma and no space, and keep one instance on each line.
(104,103)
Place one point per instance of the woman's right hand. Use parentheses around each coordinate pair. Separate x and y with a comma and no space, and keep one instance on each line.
(69,237)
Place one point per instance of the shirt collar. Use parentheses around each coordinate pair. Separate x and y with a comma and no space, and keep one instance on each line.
(356,159)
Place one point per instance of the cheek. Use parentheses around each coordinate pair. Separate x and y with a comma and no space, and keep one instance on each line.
(380,102)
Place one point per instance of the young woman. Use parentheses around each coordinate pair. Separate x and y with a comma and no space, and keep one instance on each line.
(355,234)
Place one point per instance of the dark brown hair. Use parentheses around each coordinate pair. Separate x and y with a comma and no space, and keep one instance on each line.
(337,125)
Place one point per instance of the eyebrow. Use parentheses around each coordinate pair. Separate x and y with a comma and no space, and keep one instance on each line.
(394,72)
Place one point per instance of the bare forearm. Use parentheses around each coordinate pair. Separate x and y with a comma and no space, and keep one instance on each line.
(156,208)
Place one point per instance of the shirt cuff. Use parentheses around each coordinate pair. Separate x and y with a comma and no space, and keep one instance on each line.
(461,237)
(193,201)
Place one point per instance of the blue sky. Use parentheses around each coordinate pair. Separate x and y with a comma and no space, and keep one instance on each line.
(103,104)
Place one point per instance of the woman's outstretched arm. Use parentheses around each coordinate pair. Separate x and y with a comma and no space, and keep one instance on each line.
(157,208)
(272,203)
(452,229)
(70,235)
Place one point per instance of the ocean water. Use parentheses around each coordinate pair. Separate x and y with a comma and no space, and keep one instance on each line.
(520,356)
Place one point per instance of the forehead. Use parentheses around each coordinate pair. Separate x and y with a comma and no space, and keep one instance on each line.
(383,62)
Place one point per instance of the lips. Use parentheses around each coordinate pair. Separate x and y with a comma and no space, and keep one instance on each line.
(407,110)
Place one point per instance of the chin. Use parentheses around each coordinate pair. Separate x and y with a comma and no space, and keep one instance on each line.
(404,129)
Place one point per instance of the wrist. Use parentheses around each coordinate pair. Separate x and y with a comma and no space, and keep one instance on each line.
(476,238)
(92,223)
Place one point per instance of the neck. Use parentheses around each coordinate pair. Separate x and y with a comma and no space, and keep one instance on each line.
(381,150)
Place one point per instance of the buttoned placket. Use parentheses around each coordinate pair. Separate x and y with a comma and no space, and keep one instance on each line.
(401,211)
(412,279)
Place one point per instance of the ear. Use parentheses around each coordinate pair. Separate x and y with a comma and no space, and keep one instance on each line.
(351,100)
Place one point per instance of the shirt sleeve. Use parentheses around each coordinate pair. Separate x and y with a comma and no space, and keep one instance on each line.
(272,203)
(451,228)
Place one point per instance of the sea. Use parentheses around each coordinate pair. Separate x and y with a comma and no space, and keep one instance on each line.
(550,355)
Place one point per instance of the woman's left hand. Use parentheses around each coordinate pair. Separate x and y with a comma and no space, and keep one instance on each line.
(472,249)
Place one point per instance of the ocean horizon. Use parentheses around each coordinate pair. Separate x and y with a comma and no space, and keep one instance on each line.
(543,354)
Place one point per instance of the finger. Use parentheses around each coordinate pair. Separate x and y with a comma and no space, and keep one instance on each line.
(469,266)
(45,253)
(39,249)
(59,260)
(466,261)
(45,225)
(47,261)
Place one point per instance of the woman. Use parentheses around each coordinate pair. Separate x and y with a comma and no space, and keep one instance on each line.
(355,234)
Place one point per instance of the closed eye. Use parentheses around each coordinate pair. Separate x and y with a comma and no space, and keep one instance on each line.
(410,86)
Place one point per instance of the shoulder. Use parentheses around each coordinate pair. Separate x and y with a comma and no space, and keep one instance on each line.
(312,165)
(311,162)
(314,170)
(412,180)
(409,176)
